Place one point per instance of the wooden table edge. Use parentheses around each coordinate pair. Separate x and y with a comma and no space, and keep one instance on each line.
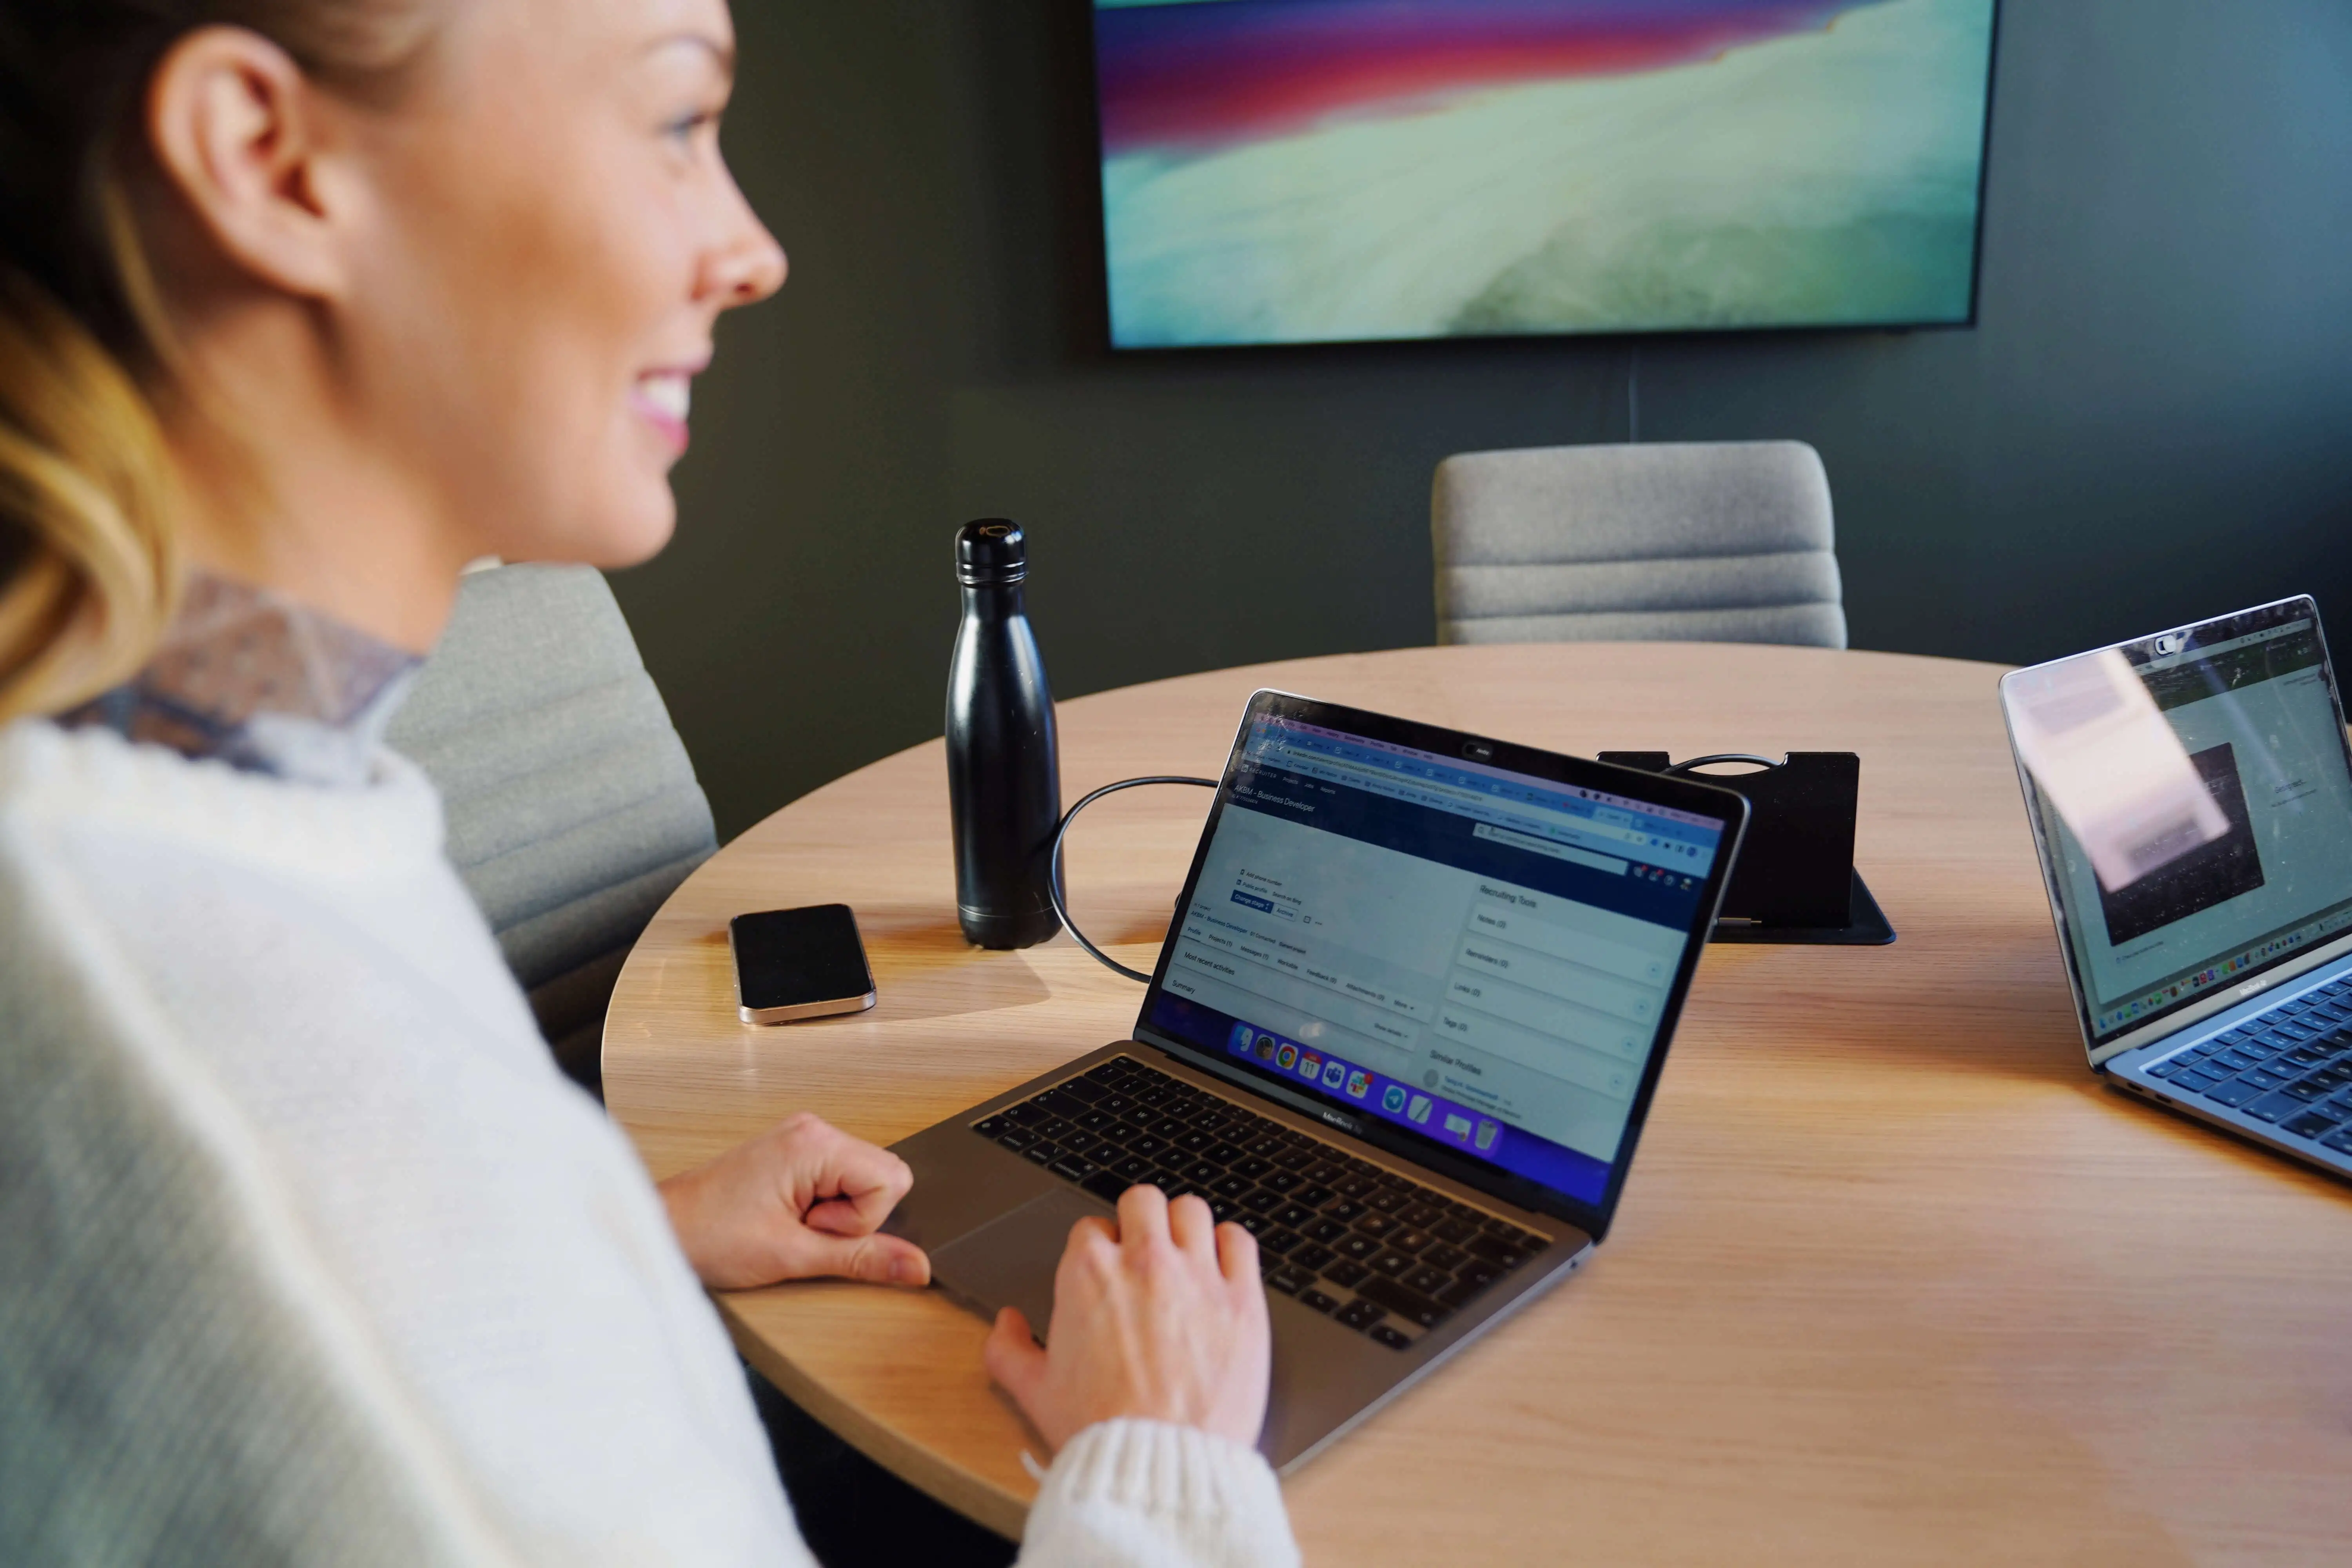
(991,1507)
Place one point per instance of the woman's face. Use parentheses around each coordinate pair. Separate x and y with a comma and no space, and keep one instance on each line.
(551,237)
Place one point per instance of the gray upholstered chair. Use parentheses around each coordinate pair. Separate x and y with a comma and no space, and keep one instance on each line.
(573,809)
(1702,541)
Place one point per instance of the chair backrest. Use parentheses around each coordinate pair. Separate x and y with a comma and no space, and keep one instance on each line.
(1728,542)
(572,808)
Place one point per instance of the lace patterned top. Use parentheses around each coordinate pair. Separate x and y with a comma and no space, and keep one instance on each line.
(262,683)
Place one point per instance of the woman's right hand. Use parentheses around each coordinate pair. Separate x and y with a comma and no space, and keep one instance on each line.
(1160,1319)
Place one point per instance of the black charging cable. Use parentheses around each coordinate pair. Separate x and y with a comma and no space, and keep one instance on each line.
(1054,884)
(1061,905)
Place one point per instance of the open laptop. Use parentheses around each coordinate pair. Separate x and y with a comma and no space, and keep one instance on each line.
(1406,1028)
(2220,983)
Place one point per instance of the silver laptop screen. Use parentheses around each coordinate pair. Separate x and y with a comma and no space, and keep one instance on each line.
(2251,703)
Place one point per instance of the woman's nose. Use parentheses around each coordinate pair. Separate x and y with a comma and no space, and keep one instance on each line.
(748,268)
(755,271)
(749,274)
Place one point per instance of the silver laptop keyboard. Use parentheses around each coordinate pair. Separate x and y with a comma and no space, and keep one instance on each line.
(1361,1243)
(2291,1067)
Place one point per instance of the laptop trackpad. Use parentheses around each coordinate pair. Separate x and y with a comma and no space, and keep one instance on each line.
(1010,1261)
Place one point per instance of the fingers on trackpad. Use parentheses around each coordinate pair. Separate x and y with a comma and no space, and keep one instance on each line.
(1010,1261)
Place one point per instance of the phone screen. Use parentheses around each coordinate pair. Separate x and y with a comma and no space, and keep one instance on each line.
(790,958)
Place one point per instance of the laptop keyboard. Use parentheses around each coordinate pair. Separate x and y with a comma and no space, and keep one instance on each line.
(2291,1067)
(1362,1245)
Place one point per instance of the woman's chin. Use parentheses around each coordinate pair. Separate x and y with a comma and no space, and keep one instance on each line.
(642,544)
(622,536)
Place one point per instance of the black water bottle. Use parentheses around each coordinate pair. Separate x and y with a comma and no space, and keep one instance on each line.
(1004,771)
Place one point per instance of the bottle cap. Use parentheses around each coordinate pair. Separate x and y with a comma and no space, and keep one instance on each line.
(990,552)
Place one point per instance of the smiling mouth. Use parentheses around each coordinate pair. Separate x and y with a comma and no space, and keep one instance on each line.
(663,398)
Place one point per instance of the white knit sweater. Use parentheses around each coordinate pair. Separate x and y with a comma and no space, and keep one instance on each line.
(308,1254)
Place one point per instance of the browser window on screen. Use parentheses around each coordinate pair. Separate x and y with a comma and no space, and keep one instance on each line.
(1478,956)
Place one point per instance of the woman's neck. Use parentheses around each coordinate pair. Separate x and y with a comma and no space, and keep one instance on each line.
(327,532)
(289,485)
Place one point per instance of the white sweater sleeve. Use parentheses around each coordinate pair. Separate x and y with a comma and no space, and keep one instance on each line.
(1143,1494)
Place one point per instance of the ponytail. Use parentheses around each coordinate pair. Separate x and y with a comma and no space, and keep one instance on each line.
(88,563)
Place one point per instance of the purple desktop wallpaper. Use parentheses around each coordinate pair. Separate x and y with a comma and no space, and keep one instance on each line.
(1190,75)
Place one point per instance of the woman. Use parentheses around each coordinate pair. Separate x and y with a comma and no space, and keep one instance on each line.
(310,1255)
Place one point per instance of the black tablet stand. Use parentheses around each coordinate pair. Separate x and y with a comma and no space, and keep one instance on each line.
(1795,881)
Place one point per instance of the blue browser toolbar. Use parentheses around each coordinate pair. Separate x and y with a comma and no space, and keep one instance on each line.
(1587,819)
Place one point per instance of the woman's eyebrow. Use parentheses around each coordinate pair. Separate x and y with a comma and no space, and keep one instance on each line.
(721,50)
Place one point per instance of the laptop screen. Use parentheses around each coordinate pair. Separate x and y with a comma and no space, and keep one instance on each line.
(1480,958)
(2250,700)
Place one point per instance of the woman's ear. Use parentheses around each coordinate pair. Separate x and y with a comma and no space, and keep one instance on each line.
(238,133)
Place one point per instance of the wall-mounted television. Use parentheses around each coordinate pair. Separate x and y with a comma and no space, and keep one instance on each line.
(1331,171)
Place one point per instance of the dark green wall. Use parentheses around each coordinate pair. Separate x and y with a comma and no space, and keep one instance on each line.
(2153,419)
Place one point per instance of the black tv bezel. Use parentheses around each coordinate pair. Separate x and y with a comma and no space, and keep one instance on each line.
(1107,342)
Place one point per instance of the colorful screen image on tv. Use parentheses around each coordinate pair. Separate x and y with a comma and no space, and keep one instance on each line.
(1322,171)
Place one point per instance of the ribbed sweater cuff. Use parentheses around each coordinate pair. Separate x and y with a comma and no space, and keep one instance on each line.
(1179,1494)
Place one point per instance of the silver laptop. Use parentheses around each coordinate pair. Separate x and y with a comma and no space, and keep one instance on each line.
(1406,1028)
(2218,984)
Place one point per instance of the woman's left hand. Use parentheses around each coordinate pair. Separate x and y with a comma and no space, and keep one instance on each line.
(802,1200)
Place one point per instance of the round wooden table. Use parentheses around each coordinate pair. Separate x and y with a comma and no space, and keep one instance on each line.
(1894,1280)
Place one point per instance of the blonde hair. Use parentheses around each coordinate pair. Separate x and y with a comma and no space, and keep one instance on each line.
(90,566)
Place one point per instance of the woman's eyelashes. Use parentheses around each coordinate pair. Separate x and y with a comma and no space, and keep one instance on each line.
(690,130)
